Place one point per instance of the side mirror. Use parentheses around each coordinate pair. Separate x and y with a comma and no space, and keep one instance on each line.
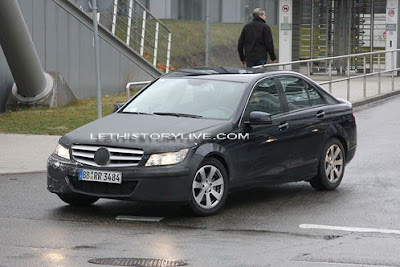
(117,106)
(259,118)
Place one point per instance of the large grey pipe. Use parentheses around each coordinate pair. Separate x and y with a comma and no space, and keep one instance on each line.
(19,51)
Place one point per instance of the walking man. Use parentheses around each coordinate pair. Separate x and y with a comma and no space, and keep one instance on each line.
(255,42)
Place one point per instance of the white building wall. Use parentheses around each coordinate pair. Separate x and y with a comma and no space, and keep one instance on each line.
(161,8)
(231,11)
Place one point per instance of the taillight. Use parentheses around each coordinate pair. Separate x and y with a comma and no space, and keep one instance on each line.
(354,117)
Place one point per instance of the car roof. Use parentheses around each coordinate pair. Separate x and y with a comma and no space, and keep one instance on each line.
(221,73)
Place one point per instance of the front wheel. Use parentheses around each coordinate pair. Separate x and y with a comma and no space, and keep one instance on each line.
(209,188)
(77,200)
(331,166)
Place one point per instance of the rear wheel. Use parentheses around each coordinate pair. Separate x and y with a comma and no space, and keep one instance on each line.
(331,166)
(209,188)
(77,200)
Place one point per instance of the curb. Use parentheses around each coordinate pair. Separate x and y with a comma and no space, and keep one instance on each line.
(22,172)
(374,99)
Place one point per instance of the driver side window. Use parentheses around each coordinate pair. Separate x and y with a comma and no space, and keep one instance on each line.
(265,98)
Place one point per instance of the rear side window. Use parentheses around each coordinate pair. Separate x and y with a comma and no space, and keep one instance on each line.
(315,98)
(300,94)
(296,92)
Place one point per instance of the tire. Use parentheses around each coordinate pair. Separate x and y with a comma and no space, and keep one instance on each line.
(78,200)
(209,188)
(331,166)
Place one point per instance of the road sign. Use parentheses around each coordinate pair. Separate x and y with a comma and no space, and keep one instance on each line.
(285,8)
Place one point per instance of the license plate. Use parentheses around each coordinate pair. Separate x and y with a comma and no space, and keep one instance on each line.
(100,176)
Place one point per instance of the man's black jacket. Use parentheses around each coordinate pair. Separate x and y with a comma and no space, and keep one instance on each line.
(256,41)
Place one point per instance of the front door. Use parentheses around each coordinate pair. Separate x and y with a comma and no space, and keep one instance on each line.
(265,154)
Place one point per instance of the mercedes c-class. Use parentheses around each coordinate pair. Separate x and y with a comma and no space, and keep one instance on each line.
(194,135)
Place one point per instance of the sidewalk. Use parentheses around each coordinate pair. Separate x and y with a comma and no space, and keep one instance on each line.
(22,153)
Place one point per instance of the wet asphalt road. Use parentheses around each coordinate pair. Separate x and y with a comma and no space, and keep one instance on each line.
(259,227)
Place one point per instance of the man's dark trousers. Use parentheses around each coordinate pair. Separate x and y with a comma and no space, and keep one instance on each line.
(251,63)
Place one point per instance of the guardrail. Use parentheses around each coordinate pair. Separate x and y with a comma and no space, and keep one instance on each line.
(328,67)
(374,64)
(131,84)
(133,24)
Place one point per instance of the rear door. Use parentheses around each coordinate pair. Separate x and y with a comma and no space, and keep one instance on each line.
(307,125)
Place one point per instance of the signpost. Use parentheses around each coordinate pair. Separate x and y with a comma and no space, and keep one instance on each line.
(392,33)
(96,6)
(285,31)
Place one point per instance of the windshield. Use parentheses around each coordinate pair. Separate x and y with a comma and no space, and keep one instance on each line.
(190,97)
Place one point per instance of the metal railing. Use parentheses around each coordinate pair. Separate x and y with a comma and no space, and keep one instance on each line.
(134,25)
(378,66)
(133,84)
(382,63)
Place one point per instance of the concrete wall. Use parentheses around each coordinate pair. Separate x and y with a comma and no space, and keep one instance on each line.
(64,41)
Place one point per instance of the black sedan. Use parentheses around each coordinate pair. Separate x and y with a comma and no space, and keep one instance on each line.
(194,135)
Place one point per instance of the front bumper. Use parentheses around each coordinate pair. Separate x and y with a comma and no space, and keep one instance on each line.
(163,183)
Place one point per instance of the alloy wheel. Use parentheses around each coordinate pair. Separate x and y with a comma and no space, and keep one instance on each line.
(208,186)
(334,163)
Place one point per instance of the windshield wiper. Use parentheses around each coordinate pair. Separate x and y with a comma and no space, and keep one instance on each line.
(136,112)
(176,114)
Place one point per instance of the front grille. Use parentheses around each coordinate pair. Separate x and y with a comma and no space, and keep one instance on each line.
(119,157)
(124,189)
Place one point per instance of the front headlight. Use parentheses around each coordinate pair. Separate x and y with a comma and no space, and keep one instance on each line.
(167,158)
(62,151)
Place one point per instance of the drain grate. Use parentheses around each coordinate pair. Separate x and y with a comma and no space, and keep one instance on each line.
(138,262)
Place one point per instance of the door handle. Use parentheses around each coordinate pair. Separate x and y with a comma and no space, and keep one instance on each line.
(320,114)
(283,126)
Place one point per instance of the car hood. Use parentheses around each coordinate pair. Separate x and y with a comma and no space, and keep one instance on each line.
(152,133)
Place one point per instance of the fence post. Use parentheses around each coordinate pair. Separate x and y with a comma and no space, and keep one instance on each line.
(114,22)
(156,43)
(168,51)
(379,74)
(365,77)
(143,33)
(128,91)
(392,70)
(348,79)
(128,34)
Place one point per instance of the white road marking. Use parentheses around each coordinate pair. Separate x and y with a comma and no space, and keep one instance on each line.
(349,229)
(139,218)
(319,263)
